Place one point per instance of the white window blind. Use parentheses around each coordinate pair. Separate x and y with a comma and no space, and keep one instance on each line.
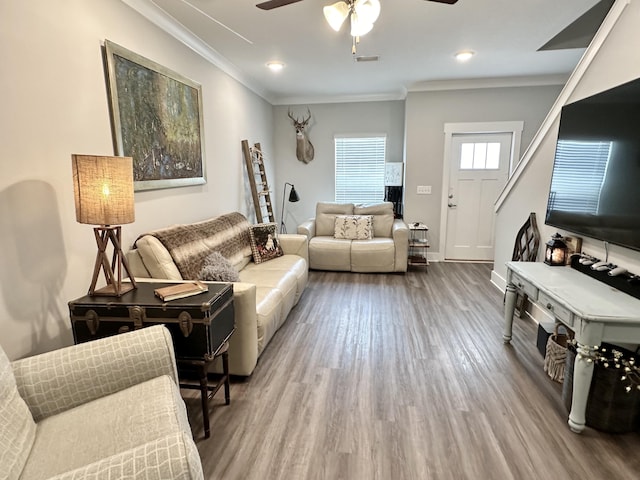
(360,169)
(578,174)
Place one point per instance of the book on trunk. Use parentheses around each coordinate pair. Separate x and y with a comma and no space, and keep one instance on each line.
(180,290)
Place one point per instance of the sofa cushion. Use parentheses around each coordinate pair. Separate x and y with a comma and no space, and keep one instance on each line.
(353,227)
(16,424)
(382,217)
(218,269)
(156,258)
(283,265)
(279,284)
(328,253)
(377,255)
(326,216)
(264,242)
(173,456)
(164,413)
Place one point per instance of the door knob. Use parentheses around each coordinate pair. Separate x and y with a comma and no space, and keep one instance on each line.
(452,204)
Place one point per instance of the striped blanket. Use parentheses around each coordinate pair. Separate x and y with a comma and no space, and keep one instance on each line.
(190,244)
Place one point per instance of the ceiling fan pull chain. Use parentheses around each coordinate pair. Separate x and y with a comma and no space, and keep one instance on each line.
(356,41)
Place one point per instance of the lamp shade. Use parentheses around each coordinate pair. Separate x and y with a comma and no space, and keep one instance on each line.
(358,27)
(103,189)
(368,10)
(293,195)
(336,14)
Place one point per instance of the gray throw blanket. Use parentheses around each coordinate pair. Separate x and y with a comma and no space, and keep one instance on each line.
(190,244)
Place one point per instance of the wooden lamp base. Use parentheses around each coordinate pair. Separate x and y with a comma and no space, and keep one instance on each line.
(113,274)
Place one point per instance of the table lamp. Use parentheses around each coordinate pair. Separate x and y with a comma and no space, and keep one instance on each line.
(103,191)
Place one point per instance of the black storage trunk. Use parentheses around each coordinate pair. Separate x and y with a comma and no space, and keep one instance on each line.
(199,324)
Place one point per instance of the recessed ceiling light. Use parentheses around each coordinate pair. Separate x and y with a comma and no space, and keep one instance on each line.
(464,55)
(275,66)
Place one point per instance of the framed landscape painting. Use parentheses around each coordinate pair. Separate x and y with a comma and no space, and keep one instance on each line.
(157,120)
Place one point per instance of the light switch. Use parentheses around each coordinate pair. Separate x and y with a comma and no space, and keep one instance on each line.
(424,190)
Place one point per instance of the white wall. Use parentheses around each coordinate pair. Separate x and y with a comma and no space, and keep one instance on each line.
(55,104)
(420,118)
(315,181)
(617,62)
(426,115)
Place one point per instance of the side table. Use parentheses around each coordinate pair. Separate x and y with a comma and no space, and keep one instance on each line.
(200,327)
(418,244)
(194,374)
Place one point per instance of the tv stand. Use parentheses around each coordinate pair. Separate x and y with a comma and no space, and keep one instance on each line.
(593,310)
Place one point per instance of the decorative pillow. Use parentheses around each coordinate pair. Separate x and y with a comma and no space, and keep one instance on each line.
(264,242)
(354,227)
(217,268)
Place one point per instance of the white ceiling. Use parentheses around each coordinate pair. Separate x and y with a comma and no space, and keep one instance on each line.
(415,39)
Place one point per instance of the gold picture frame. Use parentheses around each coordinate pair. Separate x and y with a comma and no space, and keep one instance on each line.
(157,120)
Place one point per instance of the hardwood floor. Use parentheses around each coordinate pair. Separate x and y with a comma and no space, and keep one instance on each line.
(403,377)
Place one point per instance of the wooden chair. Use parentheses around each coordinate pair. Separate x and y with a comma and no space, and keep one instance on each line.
(526,250)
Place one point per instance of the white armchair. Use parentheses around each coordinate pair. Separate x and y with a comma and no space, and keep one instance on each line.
(109,408)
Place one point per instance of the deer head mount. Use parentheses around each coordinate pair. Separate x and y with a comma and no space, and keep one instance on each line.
(304,148)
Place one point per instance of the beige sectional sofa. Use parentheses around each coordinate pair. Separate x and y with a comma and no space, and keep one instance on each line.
(265,293)
(385,250)
(110,408)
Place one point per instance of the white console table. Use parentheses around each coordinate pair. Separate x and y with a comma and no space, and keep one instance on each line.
(595,311)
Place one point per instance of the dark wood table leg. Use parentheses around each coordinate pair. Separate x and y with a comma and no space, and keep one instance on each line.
(192,369)
(225,370)
(204,394)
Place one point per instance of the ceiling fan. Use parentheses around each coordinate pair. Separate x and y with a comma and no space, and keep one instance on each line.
(362,14)
(271,4)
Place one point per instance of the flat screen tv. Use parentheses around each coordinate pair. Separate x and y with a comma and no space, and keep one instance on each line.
(595,185)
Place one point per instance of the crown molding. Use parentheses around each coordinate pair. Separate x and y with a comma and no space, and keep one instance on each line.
(306,100)
(497,82)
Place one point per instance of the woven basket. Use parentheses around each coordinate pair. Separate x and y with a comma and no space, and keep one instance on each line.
(555,357)
(609,407)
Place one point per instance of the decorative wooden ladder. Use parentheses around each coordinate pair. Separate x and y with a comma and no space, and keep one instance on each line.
(254,160)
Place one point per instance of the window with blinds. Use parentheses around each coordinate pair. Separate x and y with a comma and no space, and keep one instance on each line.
(360,169)
(578,175)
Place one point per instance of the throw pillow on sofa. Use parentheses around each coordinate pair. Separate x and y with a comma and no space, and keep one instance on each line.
(353,227)
(264,242)
(217,268)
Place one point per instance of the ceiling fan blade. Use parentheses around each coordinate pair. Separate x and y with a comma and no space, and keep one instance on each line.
(271,4)
(448,2)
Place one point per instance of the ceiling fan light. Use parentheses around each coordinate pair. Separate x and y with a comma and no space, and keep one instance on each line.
(368,10)
(336,14)
(358,27)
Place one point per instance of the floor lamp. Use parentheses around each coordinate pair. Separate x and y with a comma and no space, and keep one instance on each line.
(103,191)
(293,197)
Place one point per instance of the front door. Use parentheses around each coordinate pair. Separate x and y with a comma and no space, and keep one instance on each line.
(479,170)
